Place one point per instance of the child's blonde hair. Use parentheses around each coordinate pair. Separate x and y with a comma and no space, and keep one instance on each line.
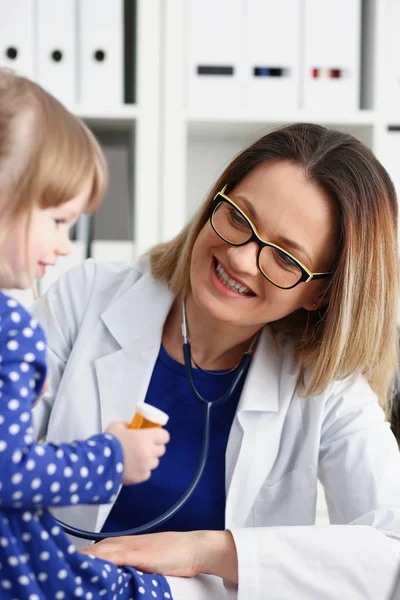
(46,153)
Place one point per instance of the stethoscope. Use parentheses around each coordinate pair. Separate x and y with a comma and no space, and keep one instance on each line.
(207,405)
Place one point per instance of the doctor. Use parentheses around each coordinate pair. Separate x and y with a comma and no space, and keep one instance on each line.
(293,254)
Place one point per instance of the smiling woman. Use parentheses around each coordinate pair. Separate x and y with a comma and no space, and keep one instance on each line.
(275,258)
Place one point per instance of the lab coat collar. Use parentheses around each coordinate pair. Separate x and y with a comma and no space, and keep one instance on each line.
(127,319)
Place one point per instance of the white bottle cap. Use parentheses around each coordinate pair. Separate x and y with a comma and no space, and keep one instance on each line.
(151,413)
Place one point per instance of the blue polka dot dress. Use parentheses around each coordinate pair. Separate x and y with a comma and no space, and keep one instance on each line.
(37,560)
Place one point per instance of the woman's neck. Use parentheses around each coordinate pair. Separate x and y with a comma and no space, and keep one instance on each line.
(214,344)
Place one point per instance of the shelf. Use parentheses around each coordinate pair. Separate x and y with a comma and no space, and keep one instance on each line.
(204,125)
(115,116)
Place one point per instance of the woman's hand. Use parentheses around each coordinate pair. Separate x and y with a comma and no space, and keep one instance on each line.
(170,553)
(181,554)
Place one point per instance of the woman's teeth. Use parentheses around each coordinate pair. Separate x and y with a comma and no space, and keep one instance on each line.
(229,282)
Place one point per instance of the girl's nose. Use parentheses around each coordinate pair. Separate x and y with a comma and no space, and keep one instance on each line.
(64,247)
(244,258)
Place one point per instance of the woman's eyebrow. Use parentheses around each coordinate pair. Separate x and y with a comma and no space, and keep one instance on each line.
(285,241)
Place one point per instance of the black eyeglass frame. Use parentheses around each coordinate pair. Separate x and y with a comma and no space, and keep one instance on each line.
(306,274)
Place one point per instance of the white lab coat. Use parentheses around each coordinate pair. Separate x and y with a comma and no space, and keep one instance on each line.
(104,327)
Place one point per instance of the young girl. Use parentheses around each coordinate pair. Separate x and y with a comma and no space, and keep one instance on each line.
(51,169)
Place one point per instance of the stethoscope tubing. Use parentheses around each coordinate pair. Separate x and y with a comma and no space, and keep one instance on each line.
(207,404)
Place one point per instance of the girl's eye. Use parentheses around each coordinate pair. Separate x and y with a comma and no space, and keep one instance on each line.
(59,221)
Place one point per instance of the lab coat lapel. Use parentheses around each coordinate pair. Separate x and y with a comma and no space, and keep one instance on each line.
(254,439)
(124,375)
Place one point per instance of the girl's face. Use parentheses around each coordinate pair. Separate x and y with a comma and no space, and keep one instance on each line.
(287,210)
(30,248)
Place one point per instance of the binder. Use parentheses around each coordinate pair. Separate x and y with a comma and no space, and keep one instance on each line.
(272,54)
(393,59)
(332,55)
(108,250)
(101,65)
(57,47)
(17,36)
(215,55)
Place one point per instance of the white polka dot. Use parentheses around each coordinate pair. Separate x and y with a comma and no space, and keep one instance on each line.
(91,443)
(27,516)
(154,594)
(24,417)
(14,429)
(42,577)
(27,332)
(74,499)
(37,498)
(84,565)
(78,592)
(68,472)
(60,595)
(23,580)
(55,530)
(3,542)
(15,317)
(84,472)
(154,582)
(120,467)
(14,376)
(89,596)
(44,535)
(30,464)
(29,357)
(33,597)
(74,457)
(88,485)
(1,419)
(12,345)
(36,483)
(26,537)
(55,487)
(73,487)
(141,590)
(3,445)
(6,584)
(24,367)
(23,392)
(167,595)
(139,572)
(31,383)
(12,332)
(56,499)
(13,404)
(109,485)
(12,303)
(13,561)
(60,453)
(51,468)
(40,451)
(17,495)
(44,555)
(16,457)
(100,469)
(40,346)
(62,574)
(107,452)
(16,478)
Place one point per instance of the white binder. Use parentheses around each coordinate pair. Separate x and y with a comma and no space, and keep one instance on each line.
(215,63)
(393,59)
(17,36)
(332,55)
(272,49)
(101,64)
(57,48)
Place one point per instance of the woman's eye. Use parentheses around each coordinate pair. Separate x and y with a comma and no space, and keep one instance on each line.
(237,218)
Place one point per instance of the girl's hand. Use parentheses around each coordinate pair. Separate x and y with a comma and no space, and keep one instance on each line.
(142,450)
(180,554)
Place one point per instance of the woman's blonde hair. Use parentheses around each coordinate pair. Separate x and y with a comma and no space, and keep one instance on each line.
(356,332)
(47,154)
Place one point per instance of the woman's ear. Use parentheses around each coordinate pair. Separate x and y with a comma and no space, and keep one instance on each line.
(318,300)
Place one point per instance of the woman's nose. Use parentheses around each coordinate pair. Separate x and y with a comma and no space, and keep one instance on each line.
(244,258)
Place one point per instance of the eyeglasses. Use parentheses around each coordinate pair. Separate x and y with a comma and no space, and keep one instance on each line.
(277,265)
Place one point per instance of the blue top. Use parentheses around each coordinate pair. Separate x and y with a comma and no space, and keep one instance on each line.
(169,391)
(37,562)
